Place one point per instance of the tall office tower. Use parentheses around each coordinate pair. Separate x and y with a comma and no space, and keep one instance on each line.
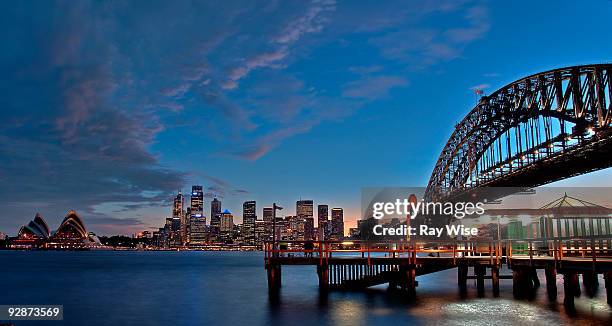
(286,231)
(295,227)
(249,215)
(187,227)
(337,222)
(226,226)
(178,216)
(197,200)
(322,219)
(304,211)
(215,217)
(260,232)
(268,215)
(196,207)
(168,232)
(179,203)
(198,234)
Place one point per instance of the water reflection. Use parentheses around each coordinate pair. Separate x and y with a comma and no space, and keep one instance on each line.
(196,288)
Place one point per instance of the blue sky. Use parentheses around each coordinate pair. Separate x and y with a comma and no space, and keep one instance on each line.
(110,107)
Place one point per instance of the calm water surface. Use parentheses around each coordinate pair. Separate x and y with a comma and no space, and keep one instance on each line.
(229,288)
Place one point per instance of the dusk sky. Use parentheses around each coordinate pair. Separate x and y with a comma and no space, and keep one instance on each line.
(110,107)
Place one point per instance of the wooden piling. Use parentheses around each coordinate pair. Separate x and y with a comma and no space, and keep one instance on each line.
(523,281)
(323,273)
(570,280)
(533,278)
(495,280)
(608,284)
(590,282)
(480,272)
(551,282)
(462,272)
(517,280)
(274,278)
(408,282)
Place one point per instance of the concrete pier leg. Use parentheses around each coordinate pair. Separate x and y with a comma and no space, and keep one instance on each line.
(495,280)
(551,282)
(480,272)
(608,283)
(462,272)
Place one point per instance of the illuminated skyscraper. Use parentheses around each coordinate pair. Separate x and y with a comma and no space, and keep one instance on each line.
(322,219)
(337,222)
(226,226)
(268,214)
(260,232)
(304,211)
(215,217)
(295,227)
(177,208)
(196,216)
(249,216)
(197,200)
(178,217)
(198,233)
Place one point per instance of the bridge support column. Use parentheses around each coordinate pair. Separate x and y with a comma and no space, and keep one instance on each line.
(551,282)
(274,279)
(608,283)
(590,282)
(480,272)
(462,272)
(323,273)
(495,280)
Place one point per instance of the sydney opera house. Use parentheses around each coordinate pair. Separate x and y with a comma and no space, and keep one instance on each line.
(70,235)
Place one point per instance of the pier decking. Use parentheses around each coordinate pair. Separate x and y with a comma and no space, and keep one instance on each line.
(356,265)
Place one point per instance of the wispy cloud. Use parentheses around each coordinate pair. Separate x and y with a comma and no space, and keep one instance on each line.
(312,21)
(254,152)
(269,59)
(421,45)
(373,87)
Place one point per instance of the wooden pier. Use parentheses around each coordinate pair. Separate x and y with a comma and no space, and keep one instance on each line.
(357,265)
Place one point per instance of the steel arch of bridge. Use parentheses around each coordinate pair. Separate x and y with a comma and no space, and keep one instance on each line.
(539,129)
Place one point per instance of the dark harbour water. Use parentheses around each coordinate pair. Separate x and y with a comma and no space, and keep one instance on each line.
(229,288)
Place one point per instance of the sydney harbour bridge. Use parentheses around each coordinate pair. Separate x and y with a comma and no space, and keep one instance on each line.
(539,129)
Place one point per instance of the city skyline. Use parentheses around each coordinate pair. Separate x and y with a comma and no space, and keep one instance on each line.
(109,109)
(195,209)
